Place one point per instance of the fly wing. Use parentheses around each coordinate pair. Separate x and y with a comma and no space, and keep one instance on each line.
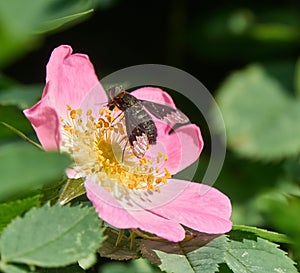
(136,133)
(164,112)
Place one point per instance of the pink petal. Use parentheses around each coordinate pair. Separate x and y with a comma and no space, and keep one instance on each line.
(46,123)
(153,94)
(197,206)
(156,95)
(70,77)
(183,146)
(113,212)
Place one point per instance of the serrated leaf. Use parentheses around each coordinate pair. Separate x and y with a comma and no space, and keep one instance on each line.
(202,260)
(52,236)
(263,233)
(202,254)
(11,210)
(259,115)
(259,256)
(73,188)
(23,167)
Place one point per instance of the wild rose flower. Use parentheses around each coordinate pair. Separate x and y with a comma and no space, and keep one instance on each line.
(127,192)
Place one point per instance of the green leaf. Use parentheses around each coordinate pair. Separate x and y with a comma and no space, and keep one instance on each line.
(50,193)
(11,210)
(263,233)
(282,214)
(74,268)
(57,23)
(259,256)
(88,261)
(297,78)
(23,167)
(24,96)
(72,189)
(22,135)
(202,260)
(135,266)
(17,32)
(8,268)
(260,117)
(13,116)
(202,253)
(52,236)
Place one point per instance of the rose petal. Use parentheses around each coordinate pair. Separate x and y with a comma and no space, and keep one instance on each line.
(188,149)
(70,77)
(198,206)
(111,211)
(153,94)
(159,96)
(183,146)
(46,123)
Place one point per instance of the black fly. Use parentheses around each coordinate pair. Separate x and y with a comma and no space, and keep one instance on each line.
(140,127)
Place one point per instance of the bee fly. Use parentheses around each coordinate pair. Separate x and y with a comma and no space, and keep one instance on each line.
(140,128)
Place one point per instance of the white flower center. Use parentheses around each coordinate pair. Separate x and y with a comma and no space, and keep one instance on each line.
(100,148)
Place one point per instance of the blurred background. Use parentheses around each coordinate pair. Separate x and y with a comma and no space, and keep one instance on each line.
(245,52)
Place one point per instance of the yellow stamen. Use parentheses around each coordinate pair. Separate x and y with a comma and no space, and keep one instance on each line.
(100,147)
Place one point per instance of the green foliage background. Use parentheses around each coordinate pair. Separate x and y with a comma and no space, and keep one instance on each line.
(245,53)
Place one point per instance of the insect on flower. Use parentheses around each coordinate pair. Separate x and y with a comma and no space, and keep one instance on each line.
(140,127)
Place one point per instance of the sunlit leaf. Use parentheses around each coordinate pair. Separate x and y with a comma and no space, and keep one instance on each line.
(259,256)
(200,253)
(72,189)
(202,260)
(52,236)
(263,233)
(259,115)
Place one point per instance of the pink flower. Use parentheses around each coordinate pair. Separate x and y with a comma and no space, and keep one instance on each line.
(127,192)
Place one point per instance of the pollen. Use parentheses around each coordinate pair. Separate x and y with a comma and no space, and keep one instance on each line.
(99,145)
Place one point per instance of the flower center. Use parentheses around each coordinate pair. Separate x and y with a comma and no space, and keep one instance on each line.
(100,148)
